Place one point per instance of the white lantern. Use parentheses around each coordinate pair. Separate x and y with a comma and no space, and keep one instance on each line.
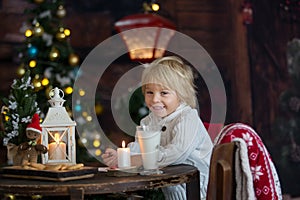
(58,132)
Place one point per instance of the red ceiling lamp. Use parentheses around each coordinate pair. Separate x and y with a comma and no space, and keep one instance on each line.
(147,30)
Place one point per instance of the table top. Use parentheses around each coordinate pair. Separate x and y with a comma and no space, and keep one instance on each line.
(101,183)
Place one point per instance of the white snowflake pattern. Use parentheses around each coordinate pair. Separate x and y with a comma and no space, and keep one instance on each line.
(248,139)
(26,119)
(5,141)
(48,39)
(12,134)
(26,84)
(14,83)
(15,125)
(63,80)
(13,105)
(15,116)
(256,172)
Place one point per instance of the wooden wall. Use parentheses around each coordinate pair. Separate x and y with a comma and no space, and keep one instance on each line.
(268,38)
(218,27)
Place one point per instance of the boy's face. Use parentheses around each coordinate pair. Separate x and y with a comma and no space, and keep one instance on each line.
(161,100)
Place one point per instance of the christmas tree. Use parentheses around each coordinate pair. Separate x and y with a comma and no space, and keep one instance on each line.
(18,110)
(47,52)
(286,141)
(46,61)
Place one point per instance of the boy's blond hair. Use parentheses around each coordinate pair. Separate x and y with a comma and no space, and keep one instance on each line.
(171,72)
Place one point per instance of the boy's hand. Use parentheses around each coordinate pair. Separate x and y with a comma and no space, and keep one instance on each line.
(110,157)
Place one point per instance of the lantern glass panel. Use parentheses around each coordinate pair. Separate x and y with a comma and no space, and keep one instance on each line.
(58,144)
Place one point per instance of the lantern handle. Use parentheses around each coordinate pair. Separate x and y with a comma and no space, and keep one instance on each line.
(55,93)
(56,96)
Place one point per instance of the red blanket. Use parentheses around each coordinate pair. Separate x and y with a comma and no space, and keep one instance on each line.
(266,184)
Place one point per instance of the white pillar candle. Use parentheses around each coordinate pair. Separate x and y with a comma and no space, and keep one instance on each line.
(57,149)
(123,156)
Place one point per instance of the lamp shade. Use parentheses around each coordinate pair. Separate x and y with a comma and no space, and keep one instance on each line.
(149,35)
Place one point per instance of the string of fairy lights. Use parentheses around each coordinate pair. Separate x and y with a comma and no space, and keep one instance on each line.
(47,53)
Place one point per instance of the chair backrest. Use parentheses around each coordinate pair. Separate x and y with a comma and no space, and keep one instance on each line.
(256,175)
(222,185)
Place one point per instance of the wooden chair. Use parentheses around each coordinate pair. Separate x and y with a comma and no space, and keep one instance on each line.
(222,183)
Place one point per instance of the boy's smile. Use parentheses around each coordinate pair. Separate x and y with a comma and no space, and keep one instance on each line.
(161,100)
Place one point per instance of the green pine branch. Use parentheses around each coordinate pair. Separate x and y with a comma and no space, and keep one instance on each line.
(18,110)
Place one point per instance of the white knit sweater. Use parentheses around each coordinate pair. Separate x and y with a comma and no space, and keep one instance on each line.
(185,141)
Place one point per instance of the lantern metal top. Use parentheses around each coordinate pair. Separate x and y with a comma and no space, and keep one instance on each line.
(57,114)
(56,97)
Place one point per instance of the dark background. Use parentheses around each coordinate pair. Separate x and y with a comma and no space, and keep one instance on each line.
(251,58)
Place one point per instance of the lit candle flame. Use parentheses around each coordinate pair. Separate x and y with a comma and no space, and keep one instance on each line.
(123,144)
(56,137)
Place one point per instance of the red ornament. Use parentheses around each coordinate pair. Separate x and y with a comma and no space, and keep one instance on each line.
(247,12)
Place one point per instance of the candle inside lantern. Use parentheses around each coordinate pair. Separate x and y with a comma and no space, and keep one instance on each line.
(57,149)
(123,156)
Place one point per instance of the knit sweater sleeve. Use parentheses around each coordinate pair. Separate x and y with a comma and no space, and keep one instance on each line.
(187,136)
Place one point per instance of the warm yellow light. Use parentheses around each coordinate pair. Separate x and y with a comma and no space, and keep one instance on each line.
(98,152)
(6,118)
(96,143)
(137,39)
(21,71)
(98,109)
(155,7)
(56,137)
(83,140)
(67,32)
(81,92)
(45,81)
(37,84)
(69,90)
(28,33)
(32,63)
(84,114)
(89,118)
(54,55)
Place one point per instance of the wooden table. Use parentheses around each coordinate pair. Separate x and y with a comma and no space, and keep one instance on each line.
(101,183)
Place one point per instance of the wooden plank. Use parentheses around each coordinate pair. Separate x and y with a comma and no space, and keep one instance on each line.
(242,98)
(50,175)
(102,184)
(201,6)
(203,20)
(15,6)
(76,193)
(6,51)
(213,40)
(89,29)
(10,27)
(49,178)
(7,74)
